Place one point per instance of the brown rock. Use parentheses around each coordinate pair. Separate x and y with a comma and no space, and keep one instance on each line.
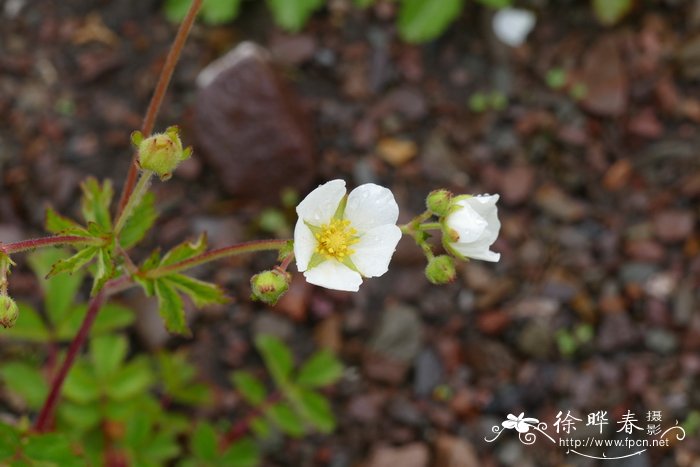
(250,128)
(454,452)
(397,151)
(558,204)
(605,78)
(618,175)
(516,184)
(674,225)
(411,455)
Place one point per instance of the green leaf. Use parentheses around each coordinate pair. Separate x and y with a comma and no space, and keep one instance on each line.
(176,10)
(220,11)
(178,378)
(53,448)
(105,270)
(204,443)
(423,20)
(316,410)
(242,453)
(610,12)
(26,382)
(363,3)
(286,419)
(140,222)
(496,4)
(131,380)
(60,225)
(78,416)
(170,308)
(322,369)
(9,441)
(29,325)
(81,385)
(293,14)
(202,293)
(107,354)
(74,263)
(277,356)
(260,427)
(249,386)
(185,251)
(59,291)
(112,317)
(96,201)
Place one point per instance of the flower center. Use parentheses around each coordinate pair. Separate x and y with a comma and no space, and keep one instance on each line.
(334,239)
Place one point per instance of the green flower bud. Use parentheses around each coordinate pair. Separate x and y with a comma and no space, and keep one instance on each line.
(8,311)
(438,202)
(269,286)
(161,153)
(441,270)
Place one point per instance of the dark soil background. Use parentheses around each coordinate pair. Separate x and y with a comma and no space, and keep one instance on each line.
(599,204)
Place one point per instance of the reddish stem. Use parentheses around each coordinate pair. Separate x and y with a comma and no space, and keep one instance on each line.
(158,94)
(34,243)
(43,421)
(239,429)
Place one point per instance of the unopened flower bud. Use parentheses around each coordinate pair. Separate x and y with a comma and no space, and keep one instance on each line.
(269,286)
(161,153)
(441,270)
(438,202)
(8,311)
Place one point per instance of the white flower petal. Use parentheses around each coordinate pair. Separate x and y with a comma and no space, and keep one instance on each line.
(374,250)
(467,222)
(476,252)
(319,206)
(509,424)
(522,427)
(304,245)
(370,206)
(512,25)
(485,205)
(333,275)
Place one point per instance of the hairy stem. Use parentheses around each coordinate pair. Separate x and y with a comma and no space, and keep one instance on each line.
(34,243)
(158,94)
(213,255)
(134,198)
(45,418)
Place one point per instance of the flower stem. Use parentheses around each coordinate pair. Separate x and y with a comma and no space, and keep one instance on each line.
(213,255)
(158,94)
(43,421)
(35,243)
(429,226)
(136,195)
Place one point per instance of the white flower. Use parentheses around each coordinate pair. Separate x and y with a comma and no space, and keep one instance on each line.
(512,25)
(472,226)
(520,423)
(340,239)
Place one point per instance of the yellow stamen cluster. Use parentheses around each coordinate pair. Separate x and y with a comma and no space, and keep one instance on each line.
(335,239)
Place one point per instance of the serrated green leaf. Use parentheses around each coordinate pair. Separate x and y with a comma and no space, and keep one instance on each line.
(202,293)
(220,11)
(81,385)
(170,308)
(78,416)
(130,380)
(322,369)
(292,14)
(9,441)
(203,443)
(242,453)
(423,20)
(54,448)
(610,12)
(107,354)
(96,201)
(316,410)
(29,325)
(277,356)
(74,263)
(185,250)
(25,381)
(104,271)
(61,225)
(286,419)
(140,222)
(249,386)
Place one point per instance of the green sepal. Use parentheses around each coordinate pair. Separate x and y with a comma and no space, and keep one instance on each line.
(340,210)
(314,229)
(448,248)
(286,250)
(348,262)
(316,259)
